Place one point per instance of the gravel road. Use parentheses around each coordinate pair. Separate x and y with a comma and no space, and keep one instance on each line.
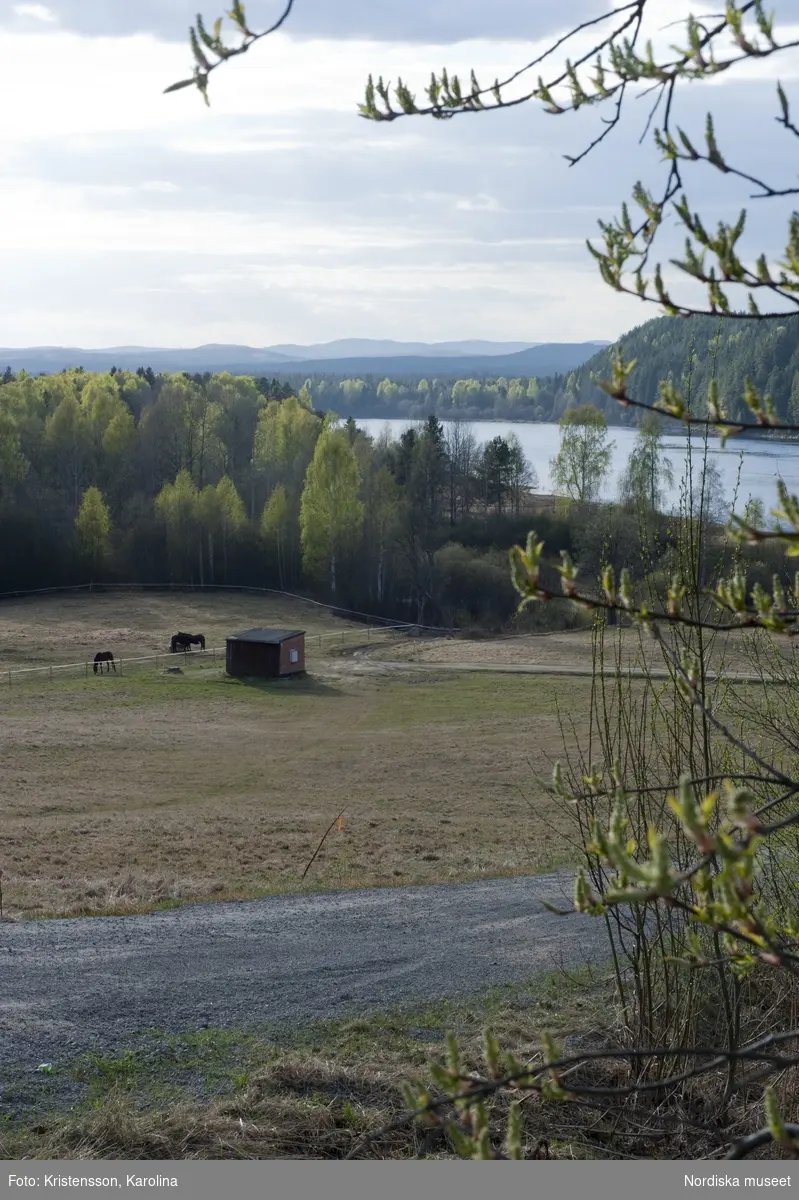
(69,986)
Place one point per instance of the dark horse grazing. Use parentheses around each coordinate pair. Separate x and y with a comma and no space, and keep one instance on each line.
(105,656)
(185,641)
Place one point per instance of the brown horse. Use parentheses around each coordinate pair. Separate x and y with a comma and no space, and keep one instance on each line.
(105,656)
(185,641)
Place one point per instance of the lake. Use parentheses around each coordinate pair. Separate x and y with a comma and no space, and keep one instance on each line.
(762,464)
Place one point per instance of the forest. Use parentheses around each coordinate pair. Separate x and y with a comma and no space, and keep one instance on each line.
(767,353)
(133,477)
(166,479)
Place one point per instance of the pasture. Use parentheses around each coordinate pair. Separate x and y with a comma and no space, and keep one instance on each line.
(134,791)
(73,626)
(742,651)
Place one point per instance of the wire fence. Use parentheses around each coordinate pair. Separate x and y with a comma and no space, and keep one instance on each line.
(371,622)
(183,658)
(337,610)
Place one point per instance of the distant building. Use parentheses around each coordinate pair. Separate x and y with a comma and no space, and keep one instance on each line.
(266,653)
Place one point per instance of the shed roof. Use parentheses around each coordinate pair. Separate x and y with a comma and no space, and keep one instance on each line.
(271,637)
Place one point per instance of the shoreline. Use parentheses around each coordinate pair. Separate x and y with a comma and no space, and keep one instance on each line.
(683,435)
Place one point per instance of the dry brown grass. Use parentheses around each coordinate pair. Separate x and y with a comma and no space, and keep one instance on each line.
(123,793)
(72,627)
(323,1095)
(301,1108)
(570,650)
(335,1088)
(281,1115)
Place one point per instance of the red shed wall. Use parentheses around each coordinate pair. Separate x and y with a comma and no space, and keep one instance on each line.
(287,667)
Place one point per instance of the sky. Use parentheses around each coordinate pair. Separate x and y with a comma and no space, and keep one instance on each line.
(130,217)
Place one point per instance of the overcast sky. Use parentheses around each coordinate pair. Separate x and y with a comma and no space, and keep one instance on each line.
(278,215)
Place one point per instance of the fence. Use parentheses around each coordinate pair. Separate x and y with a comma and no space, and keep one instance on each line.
(369,619)
(213,653)
(226,587)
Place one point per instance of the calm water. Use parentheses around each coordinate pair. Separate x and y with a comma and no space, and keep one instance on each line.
(760,464)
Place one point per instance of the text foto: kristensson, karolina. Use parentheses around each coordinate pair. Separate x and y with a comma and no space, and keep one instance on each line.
(89,1181)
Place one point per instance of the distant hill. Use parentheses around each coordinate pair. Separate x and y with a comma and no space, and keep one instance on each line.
(565,372)
(373,348)
(38,359)
(765,351)
(546,359)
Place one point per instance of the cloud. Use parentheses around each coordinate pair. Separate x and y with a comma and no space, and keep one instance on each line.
(38,12)
(277,215)
(444,21)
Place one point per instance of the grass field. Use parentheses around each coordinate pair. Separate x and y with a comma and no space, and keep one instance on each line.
(72,627)
(573,649)
(123,793)
(129,792)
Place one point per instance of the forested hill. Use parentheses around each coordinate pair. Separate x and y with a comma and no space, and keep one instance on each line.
(767,352)
(536,384)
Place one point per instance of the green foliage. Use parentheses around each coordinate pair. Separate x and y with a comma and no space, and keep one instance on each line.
(648,470)
(93,527)
(188,465)
(230,506)
(13,464)
(331,514)
(409,397)
(583,460)
(276,528)
(732,363)
(204,43)
(275,515)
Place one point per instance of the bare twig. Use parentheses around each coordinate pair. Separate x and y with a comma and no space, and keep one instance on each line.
(322,842)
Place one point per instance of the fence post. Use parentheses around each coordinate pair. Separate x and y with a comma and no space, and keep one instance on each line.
(86,664)
(51,674)
(156,661)
(9,679)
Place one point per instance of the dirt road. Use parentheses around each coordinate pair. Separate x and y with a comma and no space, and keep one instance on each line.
(70,986)
(361,662)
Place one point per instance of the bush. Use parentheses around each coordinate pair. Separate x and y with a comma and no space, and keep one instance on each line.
(474,586)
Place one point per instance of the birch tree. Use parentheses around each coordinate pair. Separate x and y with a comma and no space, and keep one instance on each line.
(93,529)
(275,529)
(178,506)
(331,513)
(648,472)
(582,463)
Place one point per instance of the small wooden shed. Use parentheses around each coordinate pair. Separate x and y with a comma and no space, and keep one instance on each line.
(266,653)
